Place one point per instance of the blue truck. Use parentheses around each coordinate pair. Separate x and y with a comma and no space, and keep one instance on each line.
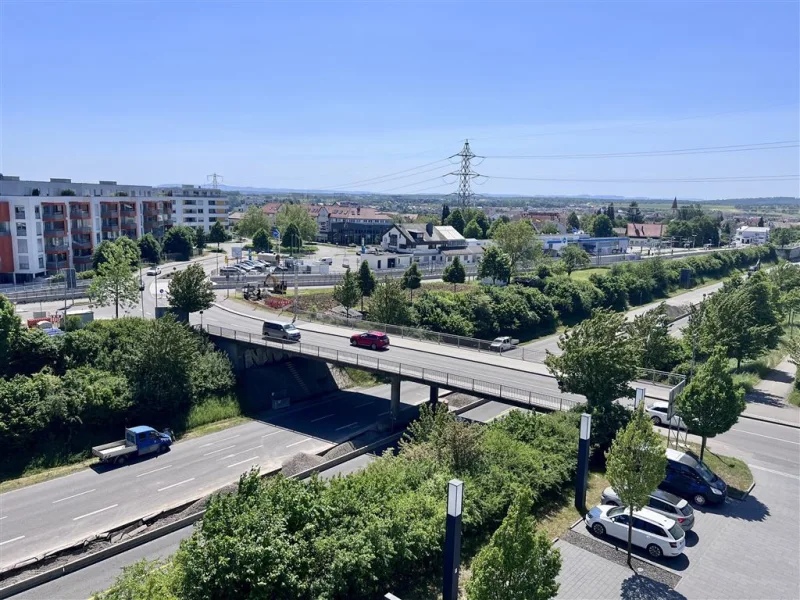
(138,441)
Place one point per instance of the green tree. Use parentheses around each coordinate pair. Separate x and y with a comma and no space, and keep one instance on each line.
(602,226)
(573,222)
(634,214)
(473,230)
(130,250)
(454,273)
(347,292)
(445,214)
(297,215)
(518,240)
(518,563)
(548,228)
(190,290)
(114,282)
(388,304)
(760,221)
(150,248)
(711,403)
(10,328)
(252,220)
(574,257)
(179,240)
(656,348)
(144,580)
(200,238)
(636,464)
(412,278)
(495,264)
(217,235)
(291,237)
(261,242)
(366,281)
(456,220)
(610,212)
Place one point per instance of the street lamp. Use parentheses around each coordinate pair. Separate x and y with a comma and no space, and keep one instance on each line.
(452,539)
(201,320)
(582,476)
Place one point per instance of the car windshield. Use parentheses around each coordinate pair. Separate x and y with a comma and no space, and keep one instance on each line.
(685,510)
(705,472)
(676,531)
(617,510)
(290,327)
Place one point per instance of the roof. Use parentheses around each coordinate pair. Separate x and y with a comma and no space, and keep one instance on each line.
(646,230)
(418,232)
(374,332)
(751,229)
(468,250)
(681,457)
(140,429)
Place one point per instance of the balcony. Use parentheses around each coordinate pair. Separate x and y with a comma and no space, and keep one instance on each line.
(82,243)
(53,265)
(128,211)
(48,216)
(76,213)
(109,214)
(54,232)
(76,228)
(128,223)
(82,260)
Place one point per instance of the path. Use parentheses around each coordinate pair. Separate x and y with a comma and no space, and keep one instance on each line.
(768,398)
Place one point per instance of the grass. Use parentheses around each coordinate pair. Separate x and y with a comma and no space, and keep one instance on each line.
(40,474)
(584,274)
(212,411)
(733,471)
(364,379)
(556,522)
(794,397)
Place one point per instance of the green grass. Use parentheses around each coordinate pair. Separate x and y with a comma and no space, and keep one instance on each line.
(561,518)
(584,274)
(211,411)
(794,397)
(364,379)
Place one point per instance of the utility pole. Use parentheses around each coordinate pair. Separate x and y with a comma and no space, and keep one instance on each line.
(215,180)
(465,175)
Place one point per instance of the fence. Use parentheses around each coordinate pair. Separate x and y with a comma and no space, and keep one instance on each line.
(460,383)
(314,279)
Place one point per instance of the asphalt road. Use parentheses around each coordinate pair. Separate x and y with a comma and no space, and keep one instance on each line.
(64,511)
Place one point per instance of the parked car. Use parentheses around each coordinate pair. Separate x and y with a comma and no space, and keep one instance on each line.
(500,344)
(689,477)
(138,441)
(229,270)
(661,502)
(659,535)
(377,340)
(244,267)
(154,271)
(276,329)
(659,414)
(327,260)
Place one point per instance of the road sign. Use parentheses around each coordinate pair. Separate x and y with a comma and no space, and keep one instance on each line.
(236,251)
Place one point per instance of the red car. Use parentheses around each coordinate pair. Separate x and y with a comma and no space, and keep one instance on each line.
(371,339)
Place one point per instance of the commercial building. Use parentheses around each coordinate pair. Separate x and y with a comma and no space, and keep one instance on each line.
(747,236)
(431,245)
(343,223)
(555,244)
(197,207)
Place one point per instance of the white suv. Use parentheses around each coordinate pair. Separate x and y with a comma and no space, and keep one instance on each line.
(659,535)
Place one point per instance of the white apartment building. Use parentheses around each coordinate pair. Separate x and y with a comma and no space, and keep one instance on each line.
(197,207)
(746,236)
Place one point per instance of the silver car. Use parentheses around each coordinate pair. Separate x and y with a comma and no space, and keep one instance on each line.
(661,502)
(658,412)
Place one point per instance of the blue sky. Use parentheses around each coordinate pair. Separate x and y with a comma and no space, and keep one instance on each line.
(320,94)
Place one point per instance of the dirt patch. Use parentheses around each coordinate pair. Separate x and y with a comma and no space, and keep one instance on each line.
(458,400)
(300,462)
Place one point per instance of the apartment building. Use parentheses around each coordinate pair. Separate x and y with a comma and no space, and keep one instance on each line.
(343,223)
(197,207)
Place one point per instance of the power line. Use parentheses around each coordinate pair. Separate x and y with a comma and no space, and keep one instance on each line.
(215,179)
(415,183)
(374,180)
(744,178)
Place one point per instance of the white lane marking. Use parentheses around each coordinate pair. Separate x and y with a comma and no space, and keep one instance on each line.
(74,496)
(11,540)
(241,462)
(94,512)
(769,437)
(775,472)
(242,452)
(300,442)
(1,518)
(222,440)
(176,484)
(366,404)
(346,426)
(269,434)
(153,471)
(220,450)
(320,418)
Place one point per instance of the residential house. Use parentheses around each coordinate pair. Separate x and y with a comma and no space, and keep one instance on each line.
(431,245)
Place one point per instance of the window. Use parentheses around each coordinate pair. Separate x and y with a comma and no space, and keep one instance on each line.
(22,246)
(621,519)
(19,212)
(38,228)
(41,262)
(22,230)
(23,263)
(36,212)
(660,505)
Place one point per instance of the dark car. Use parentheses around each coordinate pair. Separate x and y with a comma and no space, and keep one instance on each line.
(689,477)
(377,340)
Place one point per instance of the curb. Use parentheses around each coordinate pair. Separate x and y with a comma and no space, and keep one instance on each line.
(769,420)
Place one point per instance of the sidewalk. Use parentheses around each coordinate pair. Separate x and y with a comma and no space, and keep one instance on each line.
(768,398)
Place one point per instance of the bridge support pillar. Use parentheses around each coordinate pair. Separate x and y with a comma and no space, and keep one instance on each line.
(433,399)
(395,407)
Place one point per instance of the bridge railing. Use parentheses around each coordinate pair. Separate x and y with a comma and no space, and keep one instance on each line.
(531,397)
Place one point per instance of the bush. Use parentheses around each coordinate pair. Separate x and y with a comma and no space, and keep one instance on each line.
(85,274)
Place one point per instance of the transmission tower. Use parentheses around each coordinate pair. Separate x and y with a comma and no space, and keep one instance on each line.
(215,180)
(465,175)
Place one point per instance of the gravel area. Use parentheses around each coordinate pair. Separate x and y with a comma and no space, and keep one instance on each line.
(300,462)
(458,400)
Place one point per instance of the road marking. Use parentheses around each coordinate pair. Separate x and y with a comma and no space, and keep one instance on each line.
(320,418)
(153,471)
(269,434)
(1,518)
(75,496)
(176,484)
(775,472)
(300,442)
(346,426)
(222,440)
(94,512)
(366,403)
(242,452)
(220,450)
(243,461)
(769,437)
(12,539)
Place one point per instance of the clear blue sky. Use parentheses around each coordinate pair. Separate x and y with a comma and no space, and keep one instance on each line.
(312,94)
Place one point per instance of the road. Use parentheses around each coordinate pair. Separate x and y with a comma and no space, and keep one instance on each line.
(64,511)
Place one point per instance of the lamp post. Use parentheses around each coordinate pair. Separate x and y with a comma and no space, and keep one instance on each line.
(452,539)
(582,476)
(201,320)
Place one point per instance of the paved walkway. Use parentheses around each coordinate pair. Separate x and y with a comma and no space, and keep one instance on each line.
(768,398)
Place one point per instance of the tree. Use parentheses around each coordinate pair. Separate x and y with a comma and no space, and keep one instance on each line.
(388,304)
(711,404)
(200,238)
(634,214)
(573,223)
(412,278)
(456,220)
(473,230)
(548,228)
(497,223)
(261,241)
(190,290)
(150,248)
(217,235)
(610,212)
(297,215)
(130,251)
(518,563)
(179,240)
(291,237)
(10,327)
(636,464)
(602,227)
(518,240)
(495,264)
(760,221)
(445,213)
(114,282)
(366,281)
(656,348)
(347,292)
(454,273)
(574,257)
(252,220)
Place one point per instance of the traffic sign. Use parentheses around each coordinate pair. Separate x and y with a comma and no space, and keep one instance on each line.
(236,251)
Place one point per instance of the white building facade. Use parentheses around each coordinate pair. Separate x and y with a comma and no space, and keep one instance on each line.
(751,236)
(198,207)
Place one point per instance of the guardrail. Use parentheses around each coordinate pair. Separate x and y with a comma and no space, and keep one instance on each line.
(528,397)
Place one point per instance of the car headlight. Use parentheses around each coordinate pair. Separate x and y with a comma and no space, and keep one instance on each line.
(716,491)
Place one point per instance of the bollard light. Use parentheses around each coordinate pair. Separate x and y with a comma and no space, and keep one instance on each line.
(586,426)
(582,473)
(452,539)
(455,497)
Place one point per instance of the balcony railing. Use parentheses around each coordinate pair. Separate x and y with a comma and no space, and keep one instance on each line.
(81,243)
(78,214)
(109,214)
(82,260)
(81,228)
(52,232)
(53,216)
(56,264)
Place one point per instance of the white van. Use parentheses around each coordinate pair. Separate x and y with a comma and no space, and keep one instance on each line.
(327,260)
(284,331)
